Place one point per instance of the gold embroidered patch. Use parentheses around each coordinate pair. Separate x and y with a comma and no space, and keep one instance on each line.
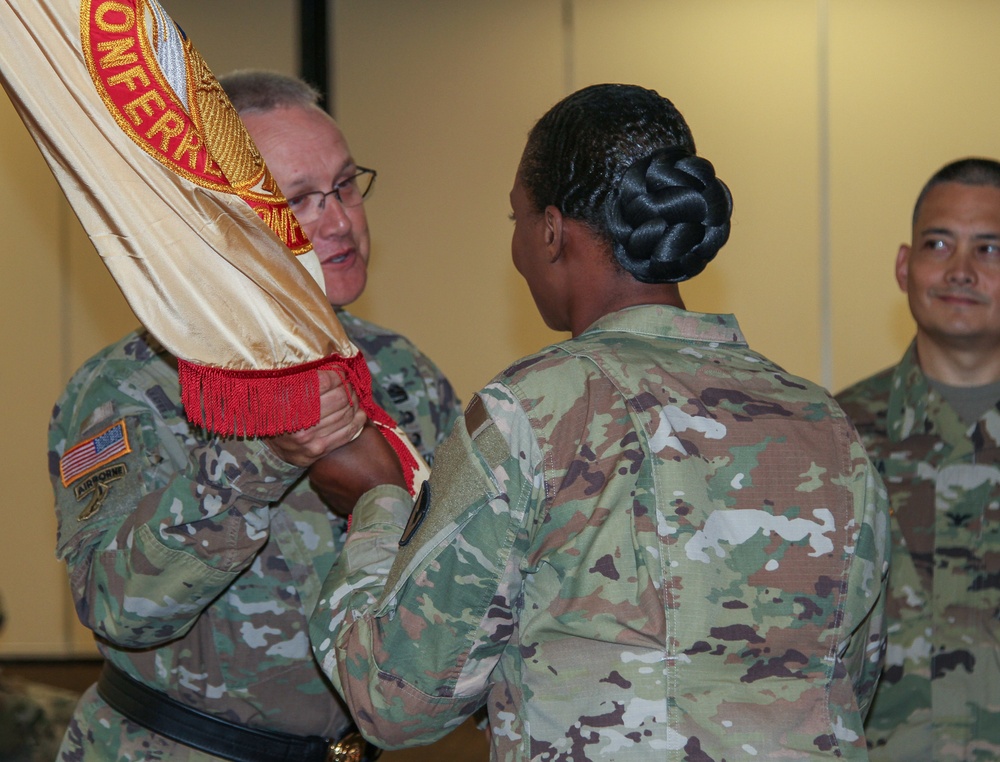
(164,97)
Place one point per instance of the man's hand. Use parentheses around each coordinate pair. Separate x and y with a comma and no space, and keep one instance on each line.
(345,474)
(340,420)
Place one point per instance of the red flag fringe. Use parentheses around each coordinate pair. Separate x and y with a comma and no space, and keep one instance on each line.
(360,379)
(251,403)
(263,403)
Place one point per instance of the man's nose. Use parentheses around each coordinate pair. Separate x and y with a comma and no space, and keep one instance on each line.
(333,218)
(961,270)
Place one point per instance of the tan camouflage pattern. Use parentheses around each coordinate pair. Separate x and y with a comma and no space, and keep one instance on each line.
(199,570)
(939,696)
(648,542)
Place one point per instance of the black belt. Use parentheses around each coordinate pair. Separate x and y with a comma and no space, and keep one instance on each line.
(158,712)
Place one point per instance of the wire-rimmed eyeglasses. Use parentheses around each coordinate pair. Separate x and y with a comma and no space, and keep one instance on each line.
(349,192)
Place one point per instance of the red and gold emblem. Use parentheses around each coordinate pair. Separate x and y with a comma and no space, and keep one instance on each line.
(160,92)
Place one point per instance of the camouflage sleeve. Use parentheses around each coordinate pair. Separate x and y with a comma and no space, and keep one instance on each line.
(447,407)
(417,394)
(154,521)
(406,383)
(436,401)
(412,681)
(864,647)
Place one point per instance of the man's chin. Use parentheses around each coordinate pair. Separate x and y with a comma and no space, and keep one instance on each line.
(964,337)
(342,297)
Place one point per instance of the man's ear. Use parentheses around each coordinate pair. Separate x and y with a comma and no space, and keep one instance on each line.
(554,232)
(902,266)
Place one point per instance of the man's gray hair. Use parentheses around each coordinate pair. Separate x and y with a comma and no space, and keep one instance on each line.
(257,90)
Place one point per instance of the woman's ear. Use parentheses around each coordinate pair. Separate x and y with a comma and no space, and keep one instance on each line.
(554,232)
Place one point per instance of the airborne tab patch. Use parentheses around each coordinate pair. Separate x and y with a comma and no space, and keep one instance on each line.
(98,486)
(92,453)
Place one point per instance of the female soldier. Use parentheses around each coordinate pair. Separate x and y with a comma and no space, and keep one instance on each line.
(646,541)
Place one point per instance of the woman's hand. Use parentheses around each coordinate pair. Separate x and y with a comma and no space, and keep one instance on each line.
(343,475)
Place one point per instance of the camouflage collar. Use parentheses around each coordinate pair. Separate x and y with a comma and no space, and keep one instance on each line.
(916,408)
(672,322)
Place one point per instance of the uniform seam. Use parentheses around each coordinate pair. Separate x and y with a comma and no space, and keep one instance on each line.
(844,463)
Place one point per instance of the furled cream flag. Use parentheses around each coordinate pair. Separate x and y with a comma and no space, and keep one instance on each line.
(179,204)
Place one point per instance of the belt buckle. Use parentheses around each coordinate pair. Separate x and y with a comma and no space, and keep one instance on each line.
(350,748)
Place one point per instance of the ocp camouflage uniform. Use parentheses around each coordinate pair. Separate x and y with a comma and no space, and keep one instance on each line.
(203,557)
(939,696)
(33,717)
(646,542)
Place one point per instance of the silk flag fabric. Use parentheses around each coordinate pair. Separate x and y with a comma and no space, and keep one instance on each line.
(181,207)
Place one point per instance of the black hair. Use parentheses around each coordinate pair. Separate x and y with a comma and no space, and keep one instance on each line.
(970,171)
(621,159)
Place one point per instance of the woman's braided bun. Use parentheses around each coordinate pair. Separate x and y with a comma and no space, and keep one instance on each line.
(669,216)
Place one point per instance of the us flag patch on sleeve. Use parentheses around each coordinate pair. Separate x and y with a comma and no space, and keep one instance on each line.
(94,452)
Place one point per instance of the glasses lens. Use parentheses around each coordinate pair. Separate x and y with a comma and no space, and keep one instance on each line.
(363,182)
(350,193)
(307,206)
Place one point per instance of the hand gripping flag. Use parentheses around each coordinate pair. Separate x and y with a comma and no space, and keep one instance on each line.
(181,207)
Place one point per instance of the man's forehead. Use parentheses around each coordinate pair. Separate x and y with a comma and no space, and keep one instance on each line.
(298,142)
(957,207)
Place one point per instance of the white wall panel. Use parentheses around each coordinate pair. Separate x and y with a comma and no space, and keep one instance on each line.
(31,207)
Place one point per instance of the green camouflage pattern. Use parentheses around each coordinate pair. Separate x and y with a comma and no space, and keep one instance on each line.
(33,717)
(647,542)
(408,385)
(204,557)
(939,696)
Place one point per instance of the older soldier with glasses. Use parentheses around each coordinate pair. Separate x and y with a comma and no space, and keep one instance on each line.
(200,567)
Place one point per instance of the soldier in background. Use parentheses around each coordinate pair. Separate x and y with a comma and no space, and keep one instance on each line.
(932,426)
(645,542)
(33,717)
(196,559)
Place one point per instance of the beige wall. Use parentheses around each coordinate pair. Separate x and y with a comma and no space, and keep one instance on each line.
(912,87)
(824,118)
(438,97)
